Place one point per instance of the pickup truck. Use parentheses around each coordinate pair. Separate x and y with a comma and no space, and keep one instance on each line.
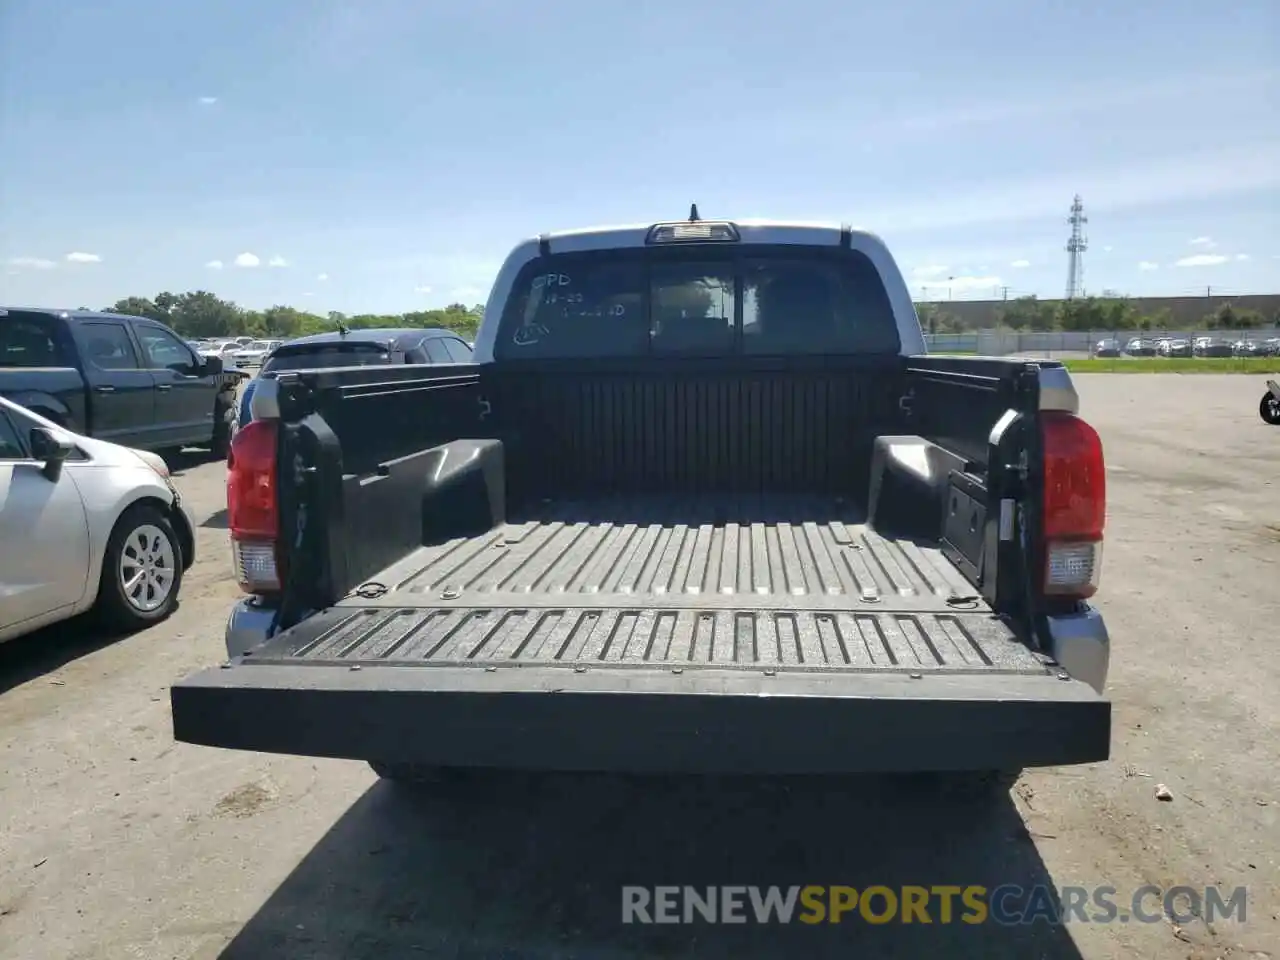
(127,380)
(703,504)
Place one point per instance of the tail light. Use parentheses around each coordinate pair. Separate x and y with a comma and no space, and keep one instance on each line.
(1075,506)
(253,509)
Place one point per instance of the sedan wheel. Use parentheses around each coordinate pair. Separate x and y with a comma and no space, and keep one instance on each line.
(147,568)
(142,569)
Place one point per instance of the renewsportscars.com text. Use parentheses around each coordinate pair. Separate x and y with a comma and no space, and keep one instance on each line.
(1006,905)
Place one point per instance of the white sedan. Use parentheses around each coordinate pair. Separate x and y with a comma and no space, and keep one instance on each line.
(85,524)
(254,354)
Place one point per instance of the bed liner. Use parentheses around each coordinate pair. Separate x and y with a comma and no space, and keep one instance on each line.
(783,582)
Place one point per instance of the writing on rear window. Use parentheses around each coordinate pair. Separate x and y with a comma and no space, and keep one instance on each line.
(579,314)
(625,303)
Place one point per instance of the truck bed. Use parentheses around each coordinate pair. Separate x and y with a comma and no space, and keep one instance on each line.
(775,635)
(791,583)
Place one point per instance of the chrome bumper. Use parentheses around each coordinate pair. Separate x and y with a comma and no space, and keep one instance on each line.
(1081,644)
(248,626)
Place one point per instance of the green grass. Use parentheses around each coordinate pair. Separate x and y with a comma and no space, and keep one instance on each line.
(1175,365)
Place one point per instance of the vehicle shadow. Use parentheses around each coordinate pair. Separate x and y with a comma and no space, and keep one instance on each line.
(217,520)
(517,866)
(188,458)
(44,651)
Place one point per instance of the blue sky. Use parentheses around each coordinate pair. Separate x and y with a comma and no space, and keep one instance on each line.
(386,154)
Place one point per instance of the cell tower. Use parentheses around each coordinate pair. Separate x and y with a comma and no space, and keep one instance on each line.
(1076,246)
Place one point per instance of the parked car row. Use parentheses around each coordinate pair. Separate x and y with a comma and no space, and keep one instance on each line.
(1186,347)
(109,533)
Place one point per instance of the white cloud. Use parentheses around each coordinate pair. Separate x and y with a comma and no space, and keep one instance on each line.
(322,277)
(247,260)
(1019,264)
(1242,256)
(1107,249)
(924,273)
(421,289)
(214,264)
(277,262)
(309,293)
(32,263)
(466,293)
(1207,242)
(208,101)
(1201,260)
(1148,265)
(77,257)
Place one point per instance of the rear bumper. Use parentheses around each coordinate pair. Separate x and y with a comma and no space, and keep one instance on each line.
(248,626)
(643,720)
(1079,642)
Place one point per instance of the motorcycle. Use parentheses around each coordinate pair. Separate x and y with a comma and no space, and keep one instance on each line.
(1269,408)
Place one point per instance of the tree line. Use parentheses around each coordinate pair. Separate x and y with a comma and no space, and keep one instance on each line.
(1091,313)
(200,313)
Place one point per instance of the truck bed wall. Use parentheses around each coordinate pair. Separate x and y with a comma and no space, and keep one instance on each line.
(805,425)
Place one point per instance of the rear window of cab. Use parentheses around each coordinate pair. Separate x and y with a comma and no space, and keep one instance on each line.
(698,301)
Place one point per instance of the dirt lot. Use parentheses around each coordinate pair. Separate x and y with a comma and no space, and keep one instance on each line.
(117,842)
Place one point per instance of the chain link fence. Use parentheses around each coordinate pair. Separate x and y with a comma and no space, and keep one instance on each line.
(1251,348)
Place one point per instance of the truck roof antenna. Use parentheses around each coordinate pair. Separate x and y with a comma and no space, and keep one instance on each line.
(693,213)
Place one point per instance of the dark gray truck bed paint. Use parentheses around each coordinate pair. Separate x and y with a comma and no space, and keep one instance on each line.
(722,583)
(767,636)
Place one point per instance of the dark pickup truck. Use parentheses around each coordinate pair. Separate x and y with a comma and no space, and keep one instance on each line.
(128,380)
(703,504)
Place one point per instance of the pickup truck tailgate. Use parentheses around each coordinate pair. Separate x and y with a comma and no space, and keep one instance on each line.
(781,637)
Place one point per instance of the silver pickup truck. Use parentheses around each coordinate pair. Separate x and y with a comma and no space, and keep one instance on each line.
(703,504)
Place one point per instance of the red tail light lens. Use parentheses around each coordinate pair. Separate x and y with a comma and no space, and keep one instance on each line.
(1075,506)
(253,509)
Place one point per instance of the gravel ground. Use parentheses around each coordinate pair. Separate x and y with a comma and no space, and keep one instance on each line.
(117,842)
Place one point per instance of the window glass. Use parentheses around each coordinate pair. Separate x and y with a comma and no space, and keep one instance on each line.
(795,300)
(107,346)
(692,308)
(10,447)
(585,307)
(803,305)
(459,352)
(28,341)
(436,352)
(163,350)
(327,355)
